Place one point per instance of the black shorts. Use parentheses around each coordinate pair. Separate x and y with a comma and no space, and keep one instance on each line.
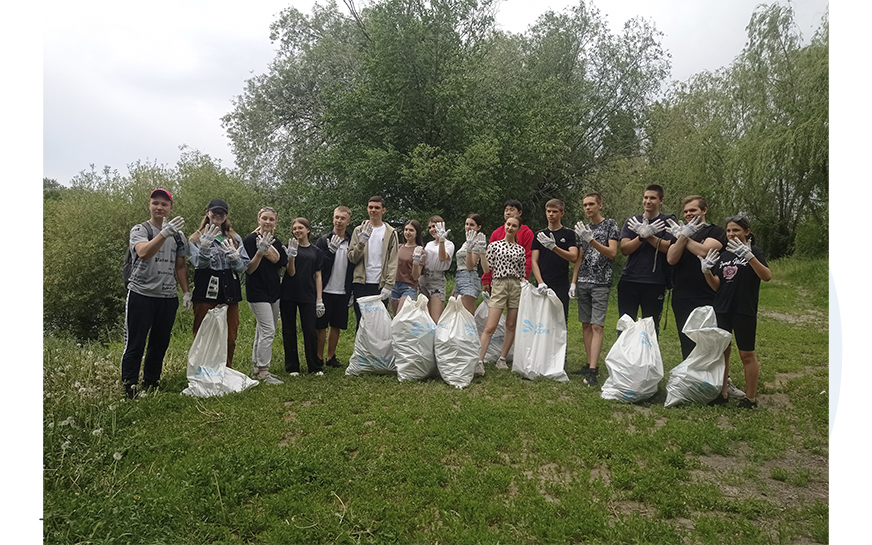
(336,314)
(742,326)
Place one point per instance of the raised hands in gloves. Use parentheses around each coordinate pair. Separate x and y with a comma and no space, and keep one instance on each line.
(583,232)
(417,255)
(645,229)
(741,250)
(170,228)
(572,291)
(229,250)
(333,243)
(292,248)
(542,288)
(480,244)
(264,243)
(441,233)
(547,240)
(319,308)
(187,303)
(681,230)
(210,233)
(471,238)
(385,294)
(709,261)
(365,231)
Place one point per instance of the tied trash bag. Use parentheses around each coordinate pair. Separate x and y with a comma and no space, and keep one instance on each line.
(494,349)
(208,374)
(413,337)
(457,344)
(373,354)
(540,338)
(699,378)
(634,363)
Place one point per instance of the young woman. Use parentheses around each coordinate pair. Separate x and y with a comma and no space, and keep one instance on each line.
(439,252)
(736,280)
(263,289)
(468,284)
(301,290)
(411,259)
(507,259)
(218,257)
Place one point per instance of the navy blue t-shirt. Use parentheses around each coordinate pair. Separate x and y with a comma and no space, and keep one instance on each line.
(647,265)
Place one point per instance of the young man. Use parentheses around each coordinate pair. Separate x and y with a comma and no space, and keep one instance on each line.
(645,241)
(159,248)
(373,250)
(691,240)
(336,277)
(592,280)
(524,236)
(553,250)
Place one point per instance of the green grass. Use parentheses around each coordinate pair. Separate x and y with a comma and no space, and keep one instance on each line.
(338,459)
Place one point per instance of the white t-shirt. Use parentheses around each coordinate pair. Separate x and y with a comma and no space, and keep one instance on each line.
(336,284)
(433,263)
(374,255)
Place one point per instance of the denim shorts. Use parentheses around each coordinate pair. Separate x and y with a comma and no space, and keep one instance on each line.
(467,283)
(432,284)
(402,289)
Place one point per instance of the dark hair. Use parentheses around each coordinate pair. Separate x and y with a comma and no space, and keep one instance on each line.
(657,188)
(304,221)
(742,221)
(516,218)
(435,219)
(378,199)
(514,204)
(556,203)
(419,238)
(594,194)
(226,230)
(476,218)
(691,198)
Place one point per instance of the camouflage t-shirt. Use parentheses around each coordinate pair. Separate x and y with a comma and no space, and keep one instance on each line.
(595,267)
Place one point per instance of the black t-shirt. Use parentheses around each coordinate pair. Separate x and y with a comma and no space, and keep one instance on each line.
(739,291)
(554,268)
(301,286)
(647,265)
(264,284)
(687,276)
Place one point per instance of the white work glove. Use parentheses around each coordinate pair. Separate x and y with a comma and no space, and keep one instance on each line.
(471,237)
(681,230)
(170,228)
(583,232)
(319,308)
(187,304)
(572,291)
(547,240)
(481,244)
(709,261)
(645,229)
(351,301)
(229,250)
(441,233)
(264,243)
(741,250)
(365,232)
(333,243)
(542,288)
(417,255)
(292,248)
(385,294)
(210,233)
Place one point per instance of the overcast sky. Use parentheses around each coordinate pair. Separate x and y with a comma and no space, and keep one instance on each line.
(126,81)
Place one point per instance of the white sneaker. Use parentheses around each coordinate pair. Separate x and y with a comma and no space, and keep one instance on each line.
(734,392)
(501,363)
(319,374)
(479,369)
(294,374)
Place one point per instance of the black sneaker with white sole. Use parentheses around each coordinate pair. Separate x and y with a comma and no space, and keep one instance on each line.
(591,378)
(746,403)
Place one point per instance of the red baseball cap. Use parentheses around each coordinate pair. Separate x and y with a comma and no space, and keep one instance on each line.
(160,190)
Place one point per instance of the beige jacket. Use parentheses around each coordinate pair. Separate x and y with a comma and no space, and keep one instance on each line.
(359,256)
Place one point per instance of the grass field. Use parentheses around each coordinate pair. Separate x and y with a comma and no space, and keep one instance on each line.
(338,459)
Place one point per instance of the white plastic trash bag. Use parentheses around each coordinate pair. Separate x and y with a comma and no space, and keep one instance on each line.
(699,378)
(373,354)
(634,363)
(494,349)
(540,337)
(457,344)
(413,337)
(208,374)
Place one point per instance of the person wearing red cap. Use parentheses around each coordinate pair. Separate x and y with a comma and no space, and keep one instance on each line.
(152,301)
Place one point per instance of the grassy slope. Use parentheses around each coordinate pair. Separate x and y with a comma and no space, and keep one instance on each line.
(348,460)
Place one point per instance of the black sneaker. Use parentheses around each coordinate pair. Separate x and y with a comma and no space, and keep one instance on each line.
(131,391)
(150,386)
(583,371)
(590,378)
(719,400)
(333,362)
(746,403)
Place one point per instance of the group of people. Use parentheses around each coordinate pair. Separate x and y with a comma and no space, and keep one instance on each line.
(704,263)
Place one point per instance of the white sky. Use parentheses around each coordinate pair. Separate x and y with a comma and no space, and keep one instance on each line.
(126,81)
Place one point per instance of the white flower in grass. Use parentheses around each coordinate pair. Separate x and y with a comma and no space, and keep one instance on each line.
(65,445)
(51,424)
(117,455)
(98,431)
